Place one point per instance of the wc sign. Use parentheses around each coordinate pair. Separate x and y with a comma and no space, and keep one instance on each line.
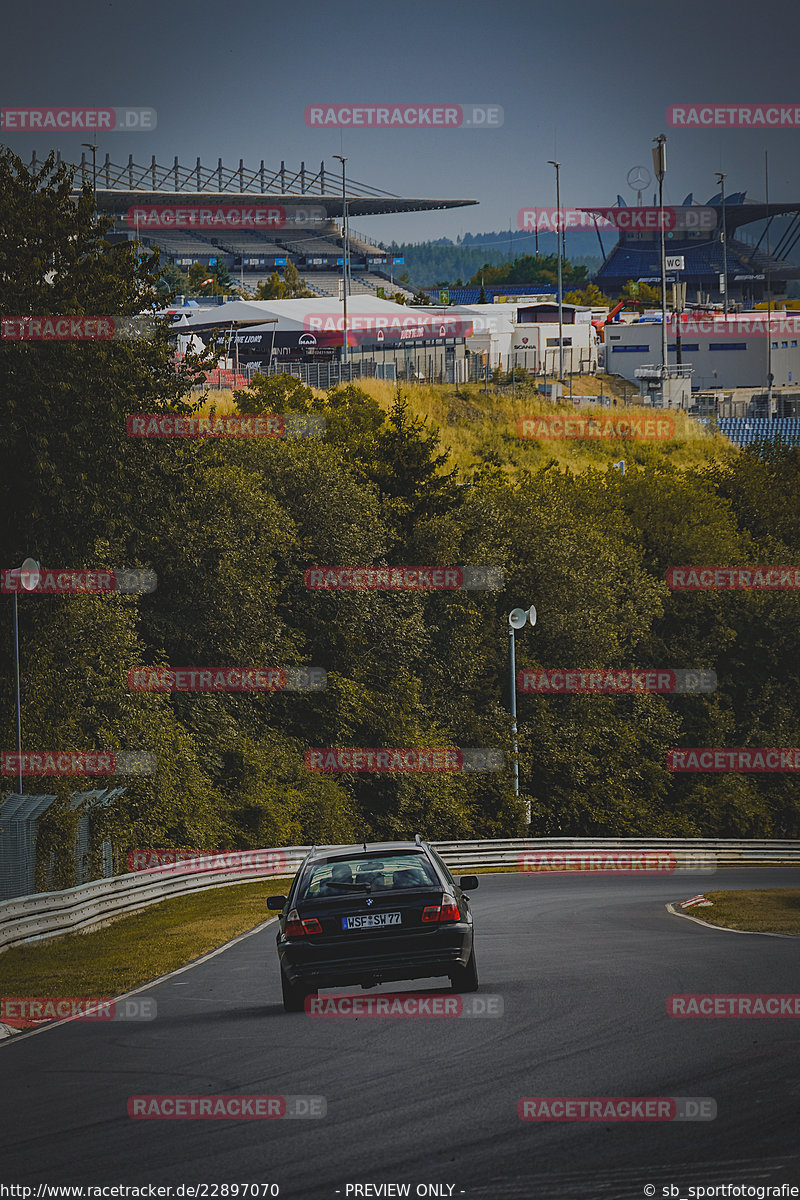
(674,262)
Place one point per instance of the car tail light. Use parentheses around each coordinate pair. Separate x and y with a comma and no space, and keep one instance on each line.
(297,928)
(446,911)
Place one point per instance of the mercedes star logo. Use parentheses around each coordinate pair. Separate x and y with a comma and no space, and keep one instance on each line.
(639,178)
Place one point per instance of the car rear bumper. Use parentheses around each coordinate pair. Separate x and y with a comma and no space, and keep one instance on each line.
(420,957)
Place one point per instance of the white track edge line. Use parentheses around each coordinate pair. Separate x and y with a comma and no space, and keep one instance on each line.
(19,1037)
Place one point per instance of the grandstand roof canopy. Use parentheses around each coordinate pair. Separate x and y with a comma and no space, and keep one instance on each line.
(117,203)
(742,213)
(120,186)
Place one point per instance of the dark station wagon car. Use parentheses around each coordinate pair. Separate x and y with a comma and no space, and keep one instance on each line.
(371,914)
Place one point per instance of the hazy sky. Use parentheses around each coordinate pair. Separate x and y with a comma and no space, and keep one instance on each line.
(585,82)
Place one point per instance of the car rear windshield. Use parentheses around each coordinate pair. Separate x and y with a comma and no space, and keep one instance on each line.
(387,872)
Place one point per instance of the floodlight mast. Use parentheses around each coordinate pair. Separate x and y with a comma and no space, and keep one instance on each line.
(28,575)
(560,246)
(517,619)
(345,254)
(660,167)
(721,177)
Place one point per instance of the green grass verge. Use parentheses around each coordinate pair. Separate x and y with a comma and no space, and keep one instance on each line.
(134,949)
(771,910)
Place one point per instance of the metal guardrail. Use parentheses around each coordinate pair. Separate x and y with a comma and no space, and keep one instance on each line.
(49,914)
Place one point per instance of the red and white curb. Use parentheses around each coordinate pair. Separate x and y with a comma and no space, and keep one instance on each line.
(677,910)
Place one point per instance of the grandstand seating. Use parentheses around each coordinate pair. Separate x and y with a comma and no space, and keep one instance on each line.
(373,282)
(248,241)
(743,430)
(315,247)
(702,260)
(328,282)
(180,242)
(313,287)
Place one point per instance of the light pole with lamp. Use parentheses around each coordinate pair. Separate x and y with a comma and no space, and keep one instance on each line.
(517,619)
(660,167)
(28,575)
(723,234)
(343,160)
(557,166)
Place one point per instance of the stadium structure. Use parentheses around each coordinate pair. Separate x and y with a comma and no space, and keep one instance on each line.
(310,234)
(756,266)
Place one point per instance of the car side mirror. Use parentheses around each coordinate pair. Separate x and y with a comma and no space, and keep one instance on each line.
(468,883)
(276,901)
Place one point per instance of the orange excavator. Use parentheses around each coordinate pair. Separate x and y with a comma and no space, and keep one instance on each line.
(601,325)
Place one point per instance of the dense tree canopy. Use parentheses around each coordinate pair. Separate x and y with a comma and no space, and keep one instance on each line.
(230,527)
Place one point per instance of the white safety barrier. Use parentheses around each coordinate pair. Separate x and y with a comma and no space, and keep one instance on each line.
(48,914)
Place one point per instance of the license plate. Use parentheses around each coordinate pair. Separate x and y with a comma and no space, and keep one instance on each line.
(371,921)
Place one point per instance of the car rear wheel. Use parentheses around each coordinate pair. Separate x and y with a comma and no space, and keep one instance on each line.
(294,995)
(465,979)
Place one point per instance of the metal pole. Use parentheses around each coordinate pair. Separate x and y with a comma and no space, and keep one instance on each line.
(660,163)
(19,714)
(93,149)
(343,160)
(770,376)
(514,707)
(723,234)
(560,289)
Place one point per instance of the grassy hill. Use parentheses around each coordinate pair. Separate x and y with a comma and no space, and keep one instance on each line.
(478,426)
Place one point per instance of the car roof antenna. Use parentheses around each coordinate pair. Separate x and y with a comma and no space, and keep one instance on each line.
(365,845)
(417,839)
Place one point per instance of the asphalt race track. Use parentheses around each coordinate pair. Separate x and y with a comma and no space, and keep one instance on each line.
(584,966)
